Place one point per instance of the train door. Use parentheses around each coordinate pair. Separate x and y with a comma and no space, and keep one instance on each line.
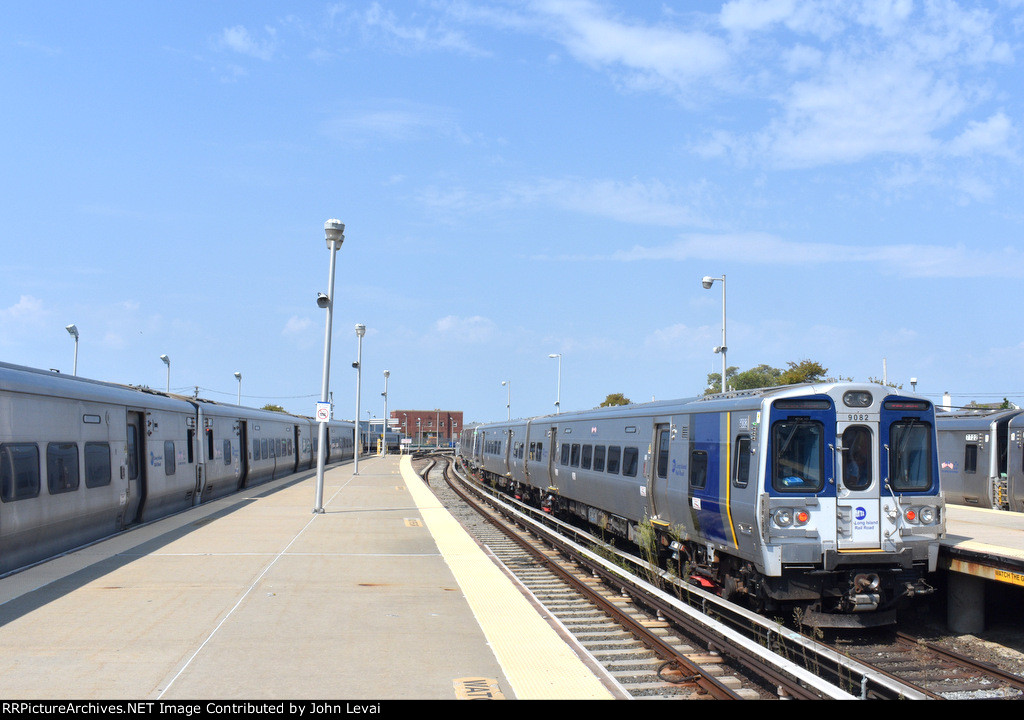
(552,455)
(297,438)
(509,434)
(135,455)
(657,473)
(859,490)
(243,452)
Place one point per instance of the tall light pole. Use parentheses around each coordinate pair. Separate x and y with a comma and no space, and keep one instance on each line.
(707,282)
(238,377)
(167,362)
(558,397)
(384,424)
(334,230)
(358,365)
(73,329)
(508,405)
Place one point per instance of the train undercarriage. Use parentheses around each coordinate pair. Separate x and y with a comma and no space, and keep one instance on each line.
(856,596)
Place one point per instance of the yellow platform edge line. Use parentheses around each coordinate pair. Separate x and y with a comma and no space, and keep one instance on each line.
(537,662)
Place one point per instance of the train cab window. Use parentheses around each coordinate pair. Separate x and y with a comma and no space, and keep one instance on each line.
(209,444)
(857,458)
(698,469)
(97,464)
(574,455)
(970,459)
(910,455)
(741,476)
(599,458)
(798,457)
(169,465)
(61,467)
(614,453)
(133,452)
(19,471)
(587,456)
(227,452)
(630,458)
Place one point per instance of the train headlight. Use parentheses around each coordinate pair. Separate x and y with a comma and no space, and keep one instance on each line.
(783,517)
(927,515)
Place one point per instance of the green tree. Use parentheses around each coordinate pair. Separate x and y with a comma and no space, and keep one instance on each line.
(805,371)
(615,399)
(272,408)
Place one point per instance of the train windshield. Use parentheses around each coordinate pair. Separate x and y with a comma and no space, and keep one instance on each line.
(798,455)
(910,452)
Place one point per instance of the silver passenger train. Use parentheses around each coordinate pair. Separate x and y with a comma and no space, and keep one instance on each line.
(822,499)
(981,457)
(82,459)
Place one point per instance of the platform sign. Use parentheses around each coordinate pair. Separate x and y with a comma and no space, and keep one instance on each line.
(323,412)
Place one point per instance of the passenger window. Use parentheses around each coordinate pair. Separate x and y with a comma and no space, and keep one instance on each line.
(857,458)
(209,444)
(540,452)
(574,456)
(630,456)
(61,467)
(19,471)
(599,458)
(256,449)
(97,464)
(133,452)
(169,466)
(970,459)
(588,452)
(798,462)
(742,463)
(613,460)
(698,469)
(263,448)
(565,453)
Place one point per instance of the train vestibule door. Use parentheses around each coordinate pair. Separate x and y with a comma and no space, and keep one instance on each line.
(657,474)
(135,456)
(858,490)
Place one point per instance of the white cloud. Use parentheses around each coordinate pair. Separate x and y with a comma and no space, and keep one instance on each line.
(297,326)
(915,260)
(28,309)
(473,330)
(239,40)
(993,136)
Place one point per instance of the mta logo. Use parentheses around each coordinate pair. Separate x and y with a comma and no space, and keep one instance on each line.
(861,513)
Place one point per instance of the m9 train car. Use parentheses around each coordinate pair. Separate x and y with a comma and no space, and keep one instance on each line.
(818,497)
(973,449)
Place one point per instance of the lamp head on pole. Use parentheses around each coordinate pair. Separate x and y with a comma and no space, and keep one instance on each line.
(238,376)
(360,330)
(73,329)
(335,232)
(707,281)
(167,360)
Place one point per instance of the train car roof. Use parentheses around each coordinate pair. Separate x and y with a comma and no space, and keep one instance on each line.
(50,383)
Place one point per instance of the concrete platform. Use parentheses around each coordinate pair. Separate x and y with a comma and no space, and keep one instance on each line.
(382,596)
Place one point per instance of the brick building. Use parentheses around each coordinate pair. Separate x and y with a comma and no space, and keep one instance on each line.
(429,427)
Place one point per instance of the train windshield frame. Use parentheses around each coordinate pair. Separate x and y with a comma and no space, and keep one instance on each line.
(910,455)
(798,455)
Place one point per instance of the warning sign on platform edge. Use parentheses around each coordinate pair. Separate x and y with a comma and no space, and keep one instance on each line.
(323,411)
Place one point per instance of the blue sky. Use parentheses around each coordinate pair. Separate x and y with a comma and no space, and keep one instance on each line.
(517,179)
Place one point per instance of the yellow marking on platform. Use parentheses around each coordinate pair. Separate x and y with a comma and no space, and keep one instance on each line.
(413,522)
(477,689)
(537,661)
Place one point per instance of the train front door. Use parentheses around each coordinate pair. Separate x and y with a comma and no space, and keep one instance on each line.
(858,491)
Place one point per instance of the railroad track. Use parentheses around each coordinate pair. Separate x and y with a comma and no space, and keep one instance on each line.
(940,673)
(640,656)
(798,666)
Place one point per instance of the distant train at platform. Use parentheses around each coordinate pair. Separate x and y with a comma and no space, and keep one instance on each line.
(82,459)
(981,457)
(823,500)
